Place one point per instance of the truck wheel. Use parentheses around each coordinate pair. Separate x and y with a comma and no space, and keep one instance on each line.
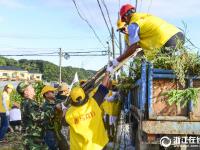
(138,143)
(143,146)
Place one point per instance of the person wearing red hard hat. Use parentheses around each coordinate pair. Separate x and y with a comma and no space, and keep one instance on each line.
(148,32)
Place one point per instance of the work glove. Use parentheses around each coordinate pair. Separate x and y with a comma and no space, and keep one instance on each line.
(115,62)
(63,106)
(109,69)
(7,113)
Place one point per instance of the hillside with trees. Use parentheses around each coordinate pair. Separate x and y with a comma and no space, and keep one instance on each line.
(49,70)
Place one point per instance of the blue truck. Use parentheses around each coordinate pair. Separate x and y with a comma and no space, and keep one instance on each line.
(155,124)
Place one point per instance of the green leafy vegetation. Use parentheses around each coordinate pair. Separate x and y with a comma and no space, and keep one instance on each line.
(15,97)
(125,83)
(183,97)
(38,86)
(49,70)
(183,62)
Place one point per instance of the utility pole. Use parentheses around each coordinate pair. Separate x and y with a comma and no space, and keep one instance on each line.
(108,51)
(113,43)
(60,66)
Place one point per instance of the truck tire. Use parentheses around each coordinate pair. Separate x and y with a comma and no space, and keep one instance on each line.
(139,145)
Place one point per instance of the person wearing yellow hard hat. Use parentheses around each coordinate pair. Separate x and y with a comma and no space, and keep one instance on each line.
(63,92)
(111,109)
(122,27)
(84,117)
(4,110)
(81,82)
(52,119)
(148,32)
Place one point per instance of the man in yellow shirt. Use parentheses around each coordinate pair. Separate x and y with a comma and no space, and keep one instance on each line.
(149,32)
(84,117)
(111,109)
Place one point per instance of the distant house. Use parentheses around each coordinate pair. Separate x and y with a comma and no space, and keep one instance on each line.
(34,75)
(14,74)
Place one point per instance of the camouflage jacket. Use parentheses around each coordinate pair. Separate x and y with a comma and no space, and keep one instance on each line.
(32,118)
(52,117)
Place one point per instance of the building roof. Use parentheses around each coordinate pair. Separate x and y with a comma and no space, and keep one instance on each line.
(11,68)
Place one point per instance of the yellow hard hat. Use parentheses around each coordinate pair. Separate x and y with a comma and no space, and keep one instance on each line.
(114,82)
(9,86)
(63,87)
(120,24)
(47,88)
(82,82)
(77,92)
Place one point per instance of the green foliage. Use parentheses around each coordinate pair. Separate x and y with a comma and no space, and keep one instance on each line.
(38,88)
(15,97)
(2,62)
(182,63)
(49,70)
(183,97)
(135,67)
(125,83)
(8,62)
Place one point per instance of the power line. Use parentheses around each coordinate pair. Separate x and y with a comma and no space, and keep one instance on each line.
(107,12)
(35,50)
(116,43)
(70,52)
(91,15)
(106,20)
(39,37)
(52,49)
(87,52)
(57,55)
(67,52)
(149,6)
(84,19)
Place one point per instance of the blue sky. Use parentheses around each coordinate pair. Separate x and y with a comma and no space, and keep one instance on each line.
(40,26)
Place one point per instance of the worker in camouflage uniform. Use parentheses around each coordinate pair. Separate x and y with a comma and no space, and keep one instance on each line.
(32,119)
(53,120)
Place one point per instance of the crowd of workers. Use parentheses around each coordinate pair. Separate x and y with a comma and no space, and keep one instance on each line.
(91,116)
(41,125)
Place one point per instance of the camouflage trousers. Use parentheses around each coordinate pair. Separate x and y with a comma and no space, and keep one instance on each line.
(34,143)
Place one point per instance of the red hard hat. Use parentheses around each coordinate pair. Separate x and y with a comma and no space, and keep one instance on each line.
(125,8)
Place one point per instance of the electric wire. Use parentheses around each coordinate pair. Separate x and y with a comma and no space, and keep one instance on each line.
(84,19)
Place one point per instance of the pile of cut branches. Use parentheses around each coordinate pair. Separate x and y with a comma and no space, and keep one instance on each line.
(183,97)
